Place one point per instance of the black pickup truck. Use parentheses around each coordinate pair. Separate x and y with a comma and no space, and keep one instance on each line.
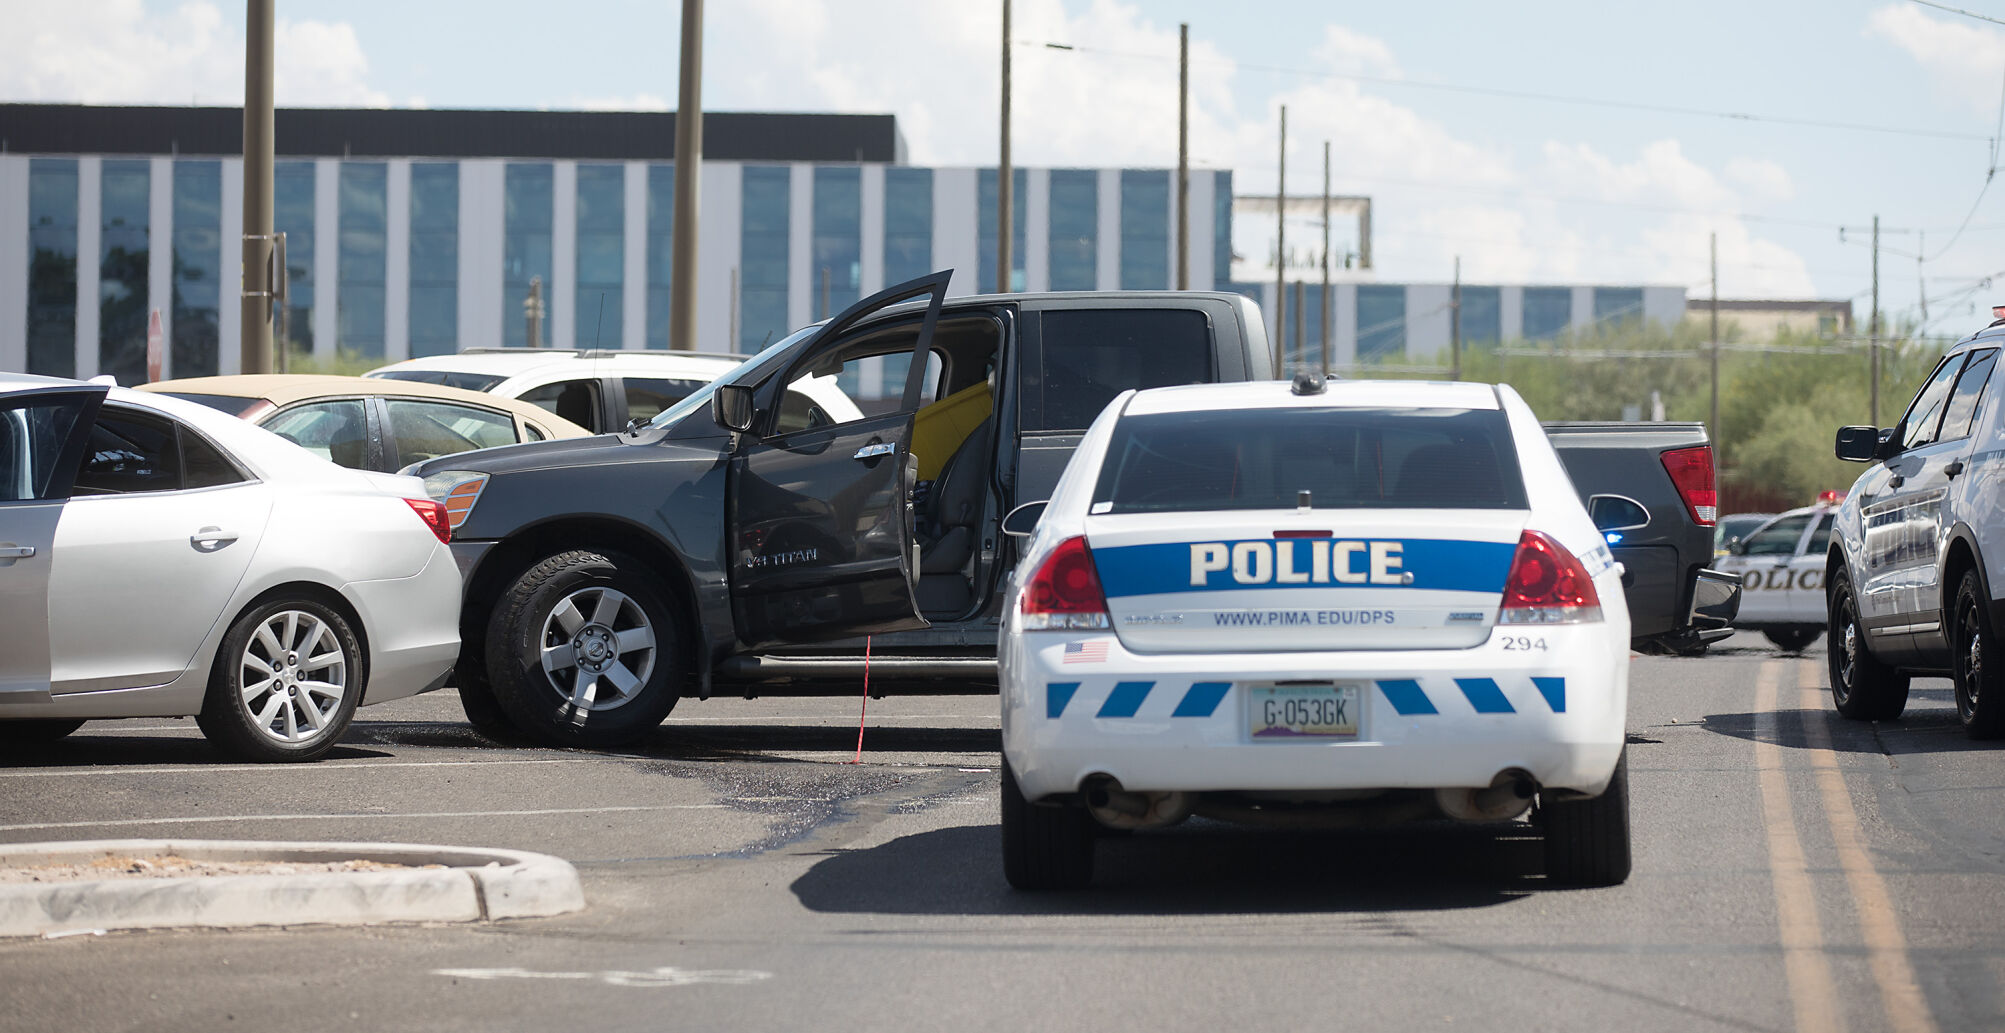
(748,540)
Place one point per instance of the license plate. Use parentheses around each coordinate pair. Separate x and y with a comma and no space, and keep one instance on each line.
(1302,711)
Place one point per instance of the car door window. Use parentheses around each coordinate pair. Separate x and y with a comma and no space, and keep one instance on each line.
(31,438)
(1820,539)
(1088,356)
(1778,538)
(648,396)
(879,362)
(203,465)
(427,430)
(574,400)
(130,452)
(336,430)
(1960,414)
(1925,414)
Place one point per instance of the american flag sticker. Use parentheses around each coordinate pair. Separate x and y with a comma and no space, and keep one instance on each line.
(1086,652)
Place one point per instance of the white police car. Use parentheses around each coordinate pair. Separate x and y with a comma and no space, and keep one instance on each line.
(1781,565)
(1261,601)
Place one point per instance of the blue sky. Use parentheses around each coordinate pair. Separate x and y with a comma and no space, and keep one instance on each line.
(1524,190)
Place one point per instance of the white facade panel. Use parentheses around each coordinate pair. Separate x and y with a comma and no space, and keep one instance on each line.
(1107,276)
(871,211)
(1203,195)
(1344,323)
(160,256)
(560,320)
(14,263)
(90,231)
(633,259)
(326,256)
(1665,305)
(482,195)
(803,279)
(1583,309)
(1037,230)
(230,291)
(1428,320)
(397,261)
(723,186)
(956,236)
(1510,313)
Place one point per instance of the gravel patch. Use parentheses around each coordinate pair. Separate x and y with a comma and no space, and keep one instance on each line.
(171,866)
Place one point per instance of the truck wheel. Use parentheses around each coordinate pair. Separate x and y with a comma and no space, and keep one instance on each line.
(1587,841)
(1793,640)
(1976,663)
(1862,688)
(476,700)
(1044,847)
(583,651)
(38,730)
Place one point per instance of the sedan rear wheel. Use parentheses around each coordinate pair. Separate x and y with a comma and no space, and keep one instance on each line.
(1976,662)
(285,684)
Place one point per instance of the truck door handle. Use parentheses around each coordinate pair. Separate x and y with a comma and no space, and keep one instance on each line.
(1953,469)
(872,451)
(16,552)
(212,537)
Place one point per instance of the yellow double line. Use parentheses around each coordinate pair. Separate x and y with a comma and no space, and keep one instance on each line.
(1805,956)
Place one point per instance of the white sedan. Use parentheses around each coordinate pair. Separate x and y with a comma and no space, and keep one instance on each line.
(1349,601)
(161,559)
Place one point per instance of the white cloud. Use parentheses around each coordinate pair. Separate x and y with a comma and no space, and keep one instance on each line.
(114,52)
(1345,50)
(1762,177)
(1963,58)
(631,102)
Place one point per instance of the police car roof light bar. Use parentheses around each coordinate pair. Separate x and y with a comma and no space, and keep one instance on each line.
(1065,593)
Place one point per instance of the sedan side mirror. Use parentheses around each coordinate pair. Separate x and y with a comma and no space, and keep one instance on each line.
(1616,513)
(731,406)
(1022,520)
(1858,444)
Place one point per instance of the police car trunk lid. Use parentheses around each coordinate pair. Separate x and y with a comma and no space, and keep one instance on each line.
(1304,580)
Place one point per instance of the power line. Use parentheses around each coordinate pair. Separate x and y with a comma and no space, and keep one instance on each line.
(1961,11)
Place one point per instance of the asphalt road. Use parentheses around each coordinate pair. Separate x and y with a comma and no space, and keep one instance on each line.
(1794,871)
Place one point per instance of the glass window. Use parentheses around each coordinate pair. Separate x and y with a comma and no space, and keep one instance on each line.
(234,405)
(1145,230)
(838,238)
(908,224)
(1918,426)
(1075,229)
(427,430)
(292,215)
(799,410)
(574,400)
(31,437)
(1961,416)
(1547,312)
(1345,458)
(602,254)
(434,315)
(985,244)
(1381,322)
(1820,539)
(129,452)
(123,251)
(647,397)
(337,431)
(1482,317)
(1617,304)
(660,251)
(1778,538)
(52,266)
(763,250)
(198,267)
(202,465)
(527,193)
(365,229)
(1088,356)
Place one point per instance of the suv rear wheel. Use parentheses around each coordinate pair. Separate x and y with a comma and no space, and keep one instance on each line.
(583,651)
(1976,665)
(1862,687)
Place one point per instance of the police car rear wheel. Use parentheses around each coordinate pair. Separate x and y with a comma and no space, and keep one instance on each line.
(1793,640)
(1048,847)
(1862,687)
(1587,841)
(1977,666)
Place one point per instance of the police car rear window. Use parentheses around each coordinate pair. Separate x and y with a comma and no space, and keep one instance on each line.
(1344,458)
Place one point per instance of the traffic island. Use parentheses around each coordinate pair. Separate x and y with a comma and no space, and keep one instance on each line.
(234,883)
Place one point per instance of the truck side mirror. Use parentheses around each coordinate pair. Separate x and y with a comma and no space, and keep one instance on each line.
(1858,444)
(1616,513)
(731,406)
(1022,520)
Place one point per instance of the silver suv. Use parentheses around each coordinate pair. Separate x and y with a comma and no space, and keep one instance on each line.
(1918,549)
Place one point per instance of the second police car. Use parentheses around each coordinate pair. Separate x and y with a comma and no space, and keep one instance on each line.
(1360,601)
(1781,565)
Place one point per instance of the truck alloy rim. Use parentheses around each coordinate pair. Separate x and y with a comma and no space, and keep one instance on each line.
(293,677)
(597,648)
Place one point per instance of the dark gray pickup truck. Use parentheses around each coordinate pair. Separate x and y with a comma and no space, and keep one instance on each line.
(747,540)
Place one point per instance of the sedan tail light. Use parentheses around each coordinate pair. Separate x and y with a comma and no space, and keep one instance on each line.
(1065,592)
(1547,585)
(434,516)
(1691,469)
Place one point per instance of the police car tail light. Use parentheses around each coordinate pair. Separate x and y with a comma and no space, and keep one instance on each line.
(1691,469)
(1065,592)
(1547,585)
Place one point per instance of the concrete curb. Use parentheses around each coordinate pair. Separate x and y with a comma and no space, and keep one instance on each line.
(476,885)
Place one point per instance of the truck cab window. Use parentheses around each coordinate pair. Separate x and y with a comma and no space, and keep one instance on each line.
(1088,356)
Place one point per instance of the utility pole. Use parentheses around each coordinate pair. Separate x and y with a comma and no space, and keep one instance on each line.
(257,283)
(1455,324)
(1005,175)
(1281,251)
(1920,280)
(688,178)
(1713,424)
(1323,310)
(1183,157)
(1873,323)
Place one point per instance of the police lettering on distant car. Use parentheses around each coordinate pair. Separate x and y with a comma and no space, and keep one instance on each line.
(1265,599)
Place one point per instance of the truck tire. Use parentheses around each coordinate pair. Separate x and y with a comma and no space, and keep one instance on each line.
(1976,665)
(477,702)
(1587,841)
(1044,847)
(582,650)
(1792,640)
(1862,687)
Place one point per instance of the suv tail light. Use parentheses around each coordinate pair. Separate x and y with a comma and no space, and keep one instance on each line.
(434,516)
(1547,585)
(1065,592)
(1691,469)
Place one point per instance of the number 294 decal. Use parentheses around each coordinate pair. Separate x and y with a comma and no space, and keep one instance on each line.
(1524,643)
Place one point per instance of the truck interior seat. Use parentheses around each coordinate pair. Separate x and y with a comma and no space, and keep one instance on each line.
(947,522)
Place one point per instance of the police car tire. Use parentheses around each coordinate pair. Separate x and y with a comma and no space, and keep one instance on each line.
(525,693)
(1587,841)
(38,730)
(1978,689)
(1046,847)
(1792,640)
(1874,691)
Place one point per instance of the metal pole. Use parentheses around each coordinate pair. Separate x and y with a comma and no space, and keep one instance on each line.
(256,286)
(1455,324)
(1323,310)
(1301,346)
(1183,157)
(1873,325)
(1713,425)
(688,180)
(1281,250)
(1005,175)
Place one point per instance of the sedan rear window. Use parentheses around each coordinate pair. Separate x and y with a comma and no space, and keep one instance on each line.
(1344,458)
(232,404)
